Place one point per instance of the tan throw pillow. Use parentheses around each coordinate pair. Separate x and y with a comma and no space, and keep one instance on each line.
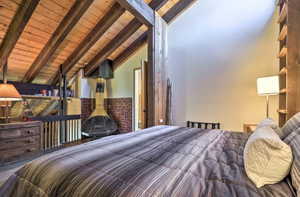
(267,158)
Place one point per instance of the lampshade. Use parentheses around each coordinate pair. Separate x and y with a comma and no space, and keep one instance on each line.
(8,92)
(268,85)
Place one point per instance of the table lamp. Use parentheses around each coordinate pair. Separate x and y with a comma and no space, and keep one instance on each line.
(8,93)
(267,86)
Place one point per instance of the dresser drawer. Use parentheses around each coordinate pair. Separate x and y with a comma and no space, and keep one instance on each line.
(19,153)
(13,143)
(19,132)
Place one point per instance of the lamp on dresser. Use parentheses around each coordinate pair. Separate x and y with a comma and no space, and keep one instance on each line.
(8,93)
(268,86)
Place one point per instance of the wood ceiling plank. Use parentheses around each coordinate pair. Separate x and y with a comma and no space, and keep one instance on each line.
(140,10)
(102,26)
(69,21)
(16,28)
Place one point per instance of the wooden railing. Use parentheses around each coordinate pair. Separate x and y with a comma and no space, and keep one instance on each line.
(59,130)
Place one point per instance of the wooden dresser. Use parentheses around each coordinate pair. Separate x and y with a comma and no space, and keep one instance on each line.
(19,141)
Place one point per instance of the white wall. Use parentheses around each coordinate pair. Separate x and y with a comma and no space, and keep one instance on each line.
(217,49)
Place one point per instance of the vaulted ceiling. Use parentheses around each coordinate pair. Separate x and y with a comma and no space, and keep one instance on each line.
(71,33)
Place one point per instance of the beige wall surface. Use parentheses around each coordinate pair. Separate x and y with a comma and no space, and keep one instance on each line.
(121,86)
(217,50)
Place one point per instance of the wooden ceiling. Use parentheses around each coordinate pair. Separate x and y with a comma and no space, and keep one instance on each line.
(51,35)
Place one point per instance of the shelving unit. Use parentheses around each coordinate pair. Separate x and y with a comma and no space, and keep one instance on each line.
(289,64)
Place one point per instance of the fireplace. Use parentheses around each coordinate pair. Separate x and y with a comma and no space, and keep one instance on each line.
(100,124)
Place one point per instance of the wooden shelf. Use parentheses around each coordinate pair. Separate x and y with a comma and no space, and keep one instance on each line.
(283,33)
(283,52)
(283,71)
(282,111)
(283,91)
(42,97)
(283,13)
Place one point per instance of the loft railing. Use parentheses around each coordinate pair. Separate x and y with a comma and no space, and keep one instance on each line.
(59,130)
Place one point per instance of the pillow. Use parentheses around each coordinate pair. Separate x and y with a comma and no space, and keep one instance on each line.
(291,125)
(269,122)
(267,159)
(294,141)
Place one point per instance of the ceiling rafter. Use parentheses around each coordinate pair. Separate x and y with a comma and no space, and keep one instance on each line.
(61,32)
(121,37)
(175,11)
(140,10)
(93,36)
(130,51)
(15,28)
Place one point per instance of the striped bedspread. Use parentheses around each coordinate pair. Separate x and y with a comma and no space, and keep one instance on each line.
(160,161)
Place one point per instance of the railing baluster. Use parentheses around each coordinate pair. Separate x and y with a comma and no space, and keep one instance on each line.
(44,135)
(58,130)
(53,134)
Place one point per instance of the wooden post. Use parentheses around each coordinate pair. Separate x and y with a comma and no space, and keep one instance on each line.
(157,73)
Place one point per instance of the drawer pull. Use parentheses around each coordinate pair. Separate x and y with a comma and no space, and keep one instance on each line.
(30,141)
(30,150)
(29,132)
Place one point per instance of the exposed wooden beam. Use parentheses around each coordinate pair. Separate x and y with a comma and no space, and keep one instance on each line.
(177,9)
(142,40)
(154,4)
(121,37)
(16,28)
(130,51)
(156,73)
(95,34)
(140,10)
(61,32)
(157,4)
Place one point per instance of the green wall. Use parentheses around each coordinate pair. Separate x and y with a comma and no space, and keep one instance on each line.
(121,86)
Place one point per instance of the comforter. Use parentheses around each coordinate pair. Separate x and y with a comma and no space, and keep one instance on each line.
(159,161)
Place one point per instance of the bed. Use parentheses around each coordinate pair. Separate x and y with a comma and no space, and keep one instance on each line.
(158,161)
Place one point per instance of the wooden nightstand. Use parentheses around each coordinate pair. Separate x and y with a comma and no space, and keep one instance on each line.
(249,127)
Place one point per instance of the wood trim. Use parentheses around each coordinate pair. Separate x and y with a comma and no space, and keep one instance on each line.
(16,27)
(56,118)
(121,37)
(61,32)
(177,9)
(95,34)
(140,10)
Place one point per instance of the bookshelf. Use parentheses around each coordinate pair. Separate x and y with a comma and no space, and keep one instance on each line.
(289,62)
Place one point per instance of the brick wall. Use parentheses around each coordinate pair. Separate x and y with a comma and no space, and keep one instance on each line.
(87,107)
(120,109)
